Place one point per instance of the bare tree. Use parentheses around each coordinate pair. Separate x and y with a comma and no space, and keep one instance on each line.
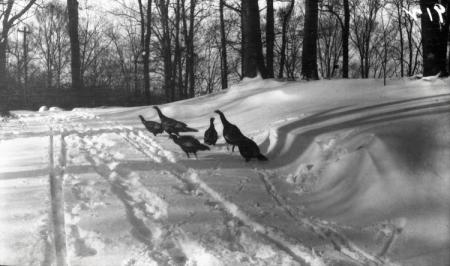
(125,66)
(94,46)
(387,31)
(190,49)
(132,27)
(364,24)
(286,18)
(177,52)
(309,53)
(8,19)
(75,63)
(345,29)
(223,48)
(399,10)
(146,31)
(52,40)
(270,38)
(209,77)
(294,43)
(164,38)
(329,45)
(253,59)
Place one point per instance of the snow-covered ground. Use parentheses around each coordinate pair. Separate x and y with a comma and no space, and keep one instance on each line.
(358,174)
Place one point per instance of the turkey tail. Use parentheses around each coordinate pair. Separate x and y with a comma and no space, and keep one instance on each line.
(142,119)
(203,147)
(261,157)
(188,129)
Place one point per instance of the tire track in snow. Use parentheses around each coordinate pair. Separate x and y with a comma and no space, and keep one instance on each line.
(145,210)
(49,247)
(165,245)
(75,130)
(188,176)
(142,207)
(57,201)
(151,149)
(79,242)
(141,142)
(339,241)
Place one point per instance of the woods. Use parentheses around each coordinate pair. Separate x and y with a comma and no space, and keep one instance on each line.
(141,52)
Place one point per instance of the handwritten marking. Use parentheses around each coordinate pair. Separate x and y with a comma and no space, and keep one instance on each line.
(416,12)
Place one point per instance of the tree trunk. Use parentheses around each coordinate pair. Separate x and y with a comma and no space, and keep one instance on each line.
(400,31)
(147,52)
(177,56)
(309,53)
(243,36)
(136,76)
(345,37)
(186,44)
(142,23)
(253,59)
(286,19)
(434,40)
(223,48)
(410,48)
(165,41)
(3,48)
(146,22)
(190,49)
(3,73)
(75,64)
(270,38)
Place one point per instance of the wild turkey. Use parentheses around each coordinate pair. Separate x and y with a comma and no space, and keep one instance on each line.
(171,125)
(249,149)
(152,126)
(211,133)
(188,144)
(231,133)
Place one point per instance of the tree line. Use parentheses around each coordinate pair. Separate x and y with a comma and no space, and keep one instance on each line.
(167,50)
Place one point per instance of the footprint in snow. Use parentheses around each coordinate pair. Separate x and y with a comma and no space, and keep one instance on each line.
(213,204)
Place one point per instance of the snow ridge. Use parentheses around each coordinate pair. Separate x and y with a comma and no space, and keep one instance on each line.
(324,231)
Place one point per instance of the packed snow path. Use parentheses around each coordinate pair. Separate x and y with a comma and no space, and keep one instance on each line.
(107,192)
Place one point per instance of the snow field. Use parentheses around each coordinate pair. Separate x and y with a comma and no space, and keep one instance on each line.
(355,177)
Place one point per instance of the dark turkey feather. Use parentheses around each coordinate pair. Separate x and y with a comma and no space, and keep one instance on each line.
(249,149)
(231,133)
(152,126)
(211,134)
(171,125)
(189,144)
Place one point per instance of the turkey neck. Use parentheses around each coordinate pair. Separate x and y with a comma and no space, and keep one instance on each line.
(223,119)
(160,113)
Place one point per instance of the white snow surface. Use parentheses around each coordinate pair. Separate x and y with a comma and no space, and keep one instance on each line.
(357,174)
(43,108)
